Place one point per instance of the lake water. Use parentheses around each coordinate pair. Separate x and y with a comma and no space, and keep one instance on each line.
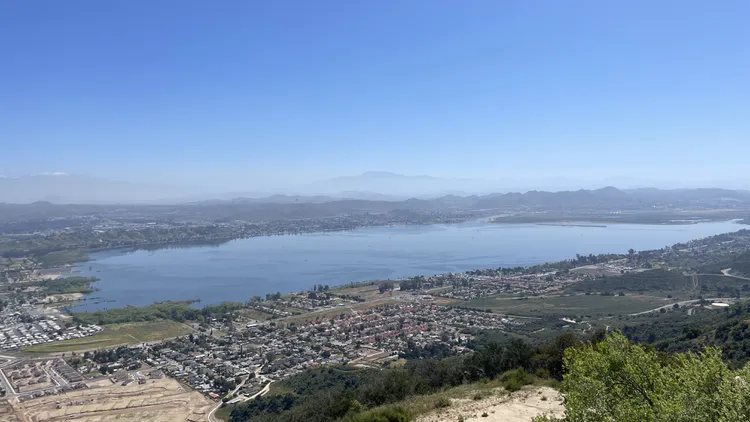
(240,269)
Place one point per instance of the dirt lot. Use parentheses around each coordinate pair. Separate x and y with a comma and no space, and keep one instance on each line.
(6,412)
(518,407)
(160,400)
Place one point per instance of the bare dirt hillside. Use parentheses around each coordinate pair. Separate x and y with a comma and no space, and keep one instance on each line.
(520,406)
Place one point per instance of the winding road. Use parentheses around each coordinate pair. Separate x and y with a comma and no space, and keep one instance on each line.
(263,392)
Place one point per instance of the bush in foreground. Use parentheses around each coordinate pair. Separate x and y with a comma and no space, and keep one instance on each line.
(390,414)
(616,380)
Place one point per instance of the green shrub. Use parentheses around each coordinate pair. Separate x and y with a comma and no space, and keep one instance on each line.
(442,402)
(518,374)
(515,379)
(542,373)
(389,414)
(513,385)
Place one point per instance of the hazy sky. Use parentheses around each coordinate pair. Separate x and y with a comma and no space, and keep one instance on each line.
(289,91)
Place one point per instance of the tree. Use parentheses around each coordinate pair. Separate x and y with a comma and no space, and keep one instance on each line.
(384,287)
(615,380)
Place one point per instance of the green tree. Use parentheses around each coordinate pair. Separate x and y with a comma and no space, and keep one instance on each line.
(615,380)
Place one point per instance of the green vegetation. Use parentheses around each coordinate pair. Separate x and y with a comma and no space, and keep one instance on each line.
(176,311)
(727,329)
(722,286)
(563,266)
(739,264)
(116,334)
(348,394)
(633,383)
(387,414)
(66,285)
(68,247)
(615,380)
(572,306)
(55,259)
(255,314)
(645,281)
(515,379)
(662,218)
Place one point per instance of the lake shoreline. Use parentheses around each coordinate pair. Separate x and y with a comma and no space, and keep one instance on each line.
(258,265)
(491,220)
(571,224)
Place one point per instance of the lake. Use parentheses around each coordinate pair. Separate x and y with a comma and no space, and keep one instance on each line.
(242,268)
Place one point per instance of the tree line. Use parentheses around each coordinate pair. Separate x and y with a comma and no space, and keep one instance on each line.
(180,311)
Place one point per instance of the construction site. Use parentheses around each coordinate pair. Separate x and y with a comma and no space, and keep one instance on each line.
(147,399)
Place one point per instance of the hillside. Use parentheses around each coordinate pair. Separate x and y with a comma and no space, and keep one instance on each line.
(350,394)
(727,329)
(633,384)
(652,280)
(737,265)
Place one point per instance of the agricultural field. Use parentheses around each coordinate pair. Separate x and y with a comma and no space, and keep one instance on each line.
(116,334)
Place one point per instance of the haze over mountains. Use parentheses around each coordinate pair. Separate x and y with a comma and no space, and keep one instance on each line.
(60,188)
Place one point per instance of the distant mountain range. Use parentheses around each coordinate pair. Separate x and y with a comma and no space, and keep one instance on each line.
(378,186)
(391,186)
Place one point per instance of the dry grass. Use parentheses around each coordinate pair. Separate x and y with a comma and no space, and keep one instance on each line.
(114,335)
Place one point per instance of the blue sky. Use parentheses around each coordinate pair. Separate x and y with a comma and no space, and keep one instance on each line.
(246,93)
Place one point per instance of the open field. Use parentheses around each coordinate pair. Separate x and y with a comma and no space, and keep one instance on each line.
(366,290)
(254,314)
(161,400)
(116,334)
(568,305)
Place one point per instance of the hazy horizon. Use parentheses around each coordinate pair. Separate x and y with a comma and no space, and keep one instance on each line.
(59,187)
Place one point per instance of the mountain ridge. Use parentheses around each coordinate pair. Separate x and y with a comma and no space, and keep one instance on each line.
(62,188)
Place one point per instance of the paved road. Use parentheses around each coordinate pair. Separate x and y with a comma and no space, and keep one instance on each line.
(54,377)
(725,273)
(263,392)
